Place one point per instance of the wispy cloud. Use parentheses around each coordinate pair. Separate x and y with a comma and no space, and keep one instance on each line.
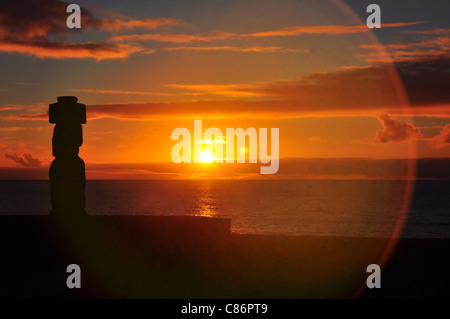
(55,50)
(9,108)
(29,107)
(324,30)
(119,92)
(283,32)
(27,83)
(425,44)
(401,52)
(229,90)
(259,49)
(27,117)
(172,38)
(25,160)
(436,31)
(130,24)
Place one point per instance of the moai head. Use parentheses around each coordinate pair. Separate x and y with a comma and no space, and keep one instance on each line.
(68,115)
(67,111)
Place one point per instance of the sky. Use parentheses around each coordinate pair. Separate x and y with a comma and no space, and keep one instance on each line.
(313,69)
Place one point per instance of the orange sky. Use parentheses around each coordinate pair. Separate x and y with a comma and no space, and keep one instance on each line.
(314,71)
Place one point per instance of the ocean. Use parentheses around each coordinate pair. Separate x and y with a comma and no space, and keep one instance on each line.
(359,208)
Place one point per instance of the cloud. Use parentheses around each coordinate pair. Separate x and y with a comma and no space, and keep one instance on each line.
(37,28)
(259,49)
(229,90)
(25,160)
(27,117)
(204,109)
(325,30)
(34,107)
(373,87)
(395,131)
(9,108)
(119,92)
(342,89)
(404,52)
(129,24)
(173,38)
(427,43)
(426,80)
(443,139)
(283,32)
(147,51)
(436,31)
(345,91)
(47,49)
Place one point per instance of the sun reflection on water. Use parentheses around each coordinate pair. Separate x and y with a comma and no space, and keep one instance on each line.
(206,204)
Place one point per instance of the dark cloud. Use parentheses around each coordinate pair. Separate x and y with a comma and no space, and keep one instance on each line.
(28,26)
(395,131)
(35,19)
(38,28)
(427,80)
(203,109)
(26,160)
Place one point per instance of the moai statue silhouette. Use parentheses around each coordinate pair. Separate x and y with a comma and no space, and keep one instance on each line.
(67,171)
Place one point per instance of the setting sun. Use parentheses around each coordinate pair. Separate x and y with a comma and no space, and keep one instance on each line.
(206,157)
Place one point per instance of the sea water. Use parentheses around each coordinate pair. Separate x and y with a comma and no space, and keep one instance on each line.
(361,208)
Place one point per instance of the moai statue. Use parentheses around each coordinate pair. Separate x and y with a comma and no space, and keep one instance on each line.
(67,171)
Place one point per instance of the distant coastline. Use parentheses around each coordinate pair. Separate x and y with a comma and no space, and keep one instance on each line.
(301,168)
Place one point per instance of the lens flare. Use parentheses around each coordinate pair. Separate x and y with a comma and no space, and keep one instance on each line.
(206,157)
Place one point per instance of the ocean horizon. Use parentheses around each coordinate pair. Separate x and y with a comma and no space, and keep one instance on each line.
(355,208)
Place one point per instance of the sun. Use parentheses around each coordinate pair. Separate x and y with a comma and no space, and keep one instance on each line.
(206,157)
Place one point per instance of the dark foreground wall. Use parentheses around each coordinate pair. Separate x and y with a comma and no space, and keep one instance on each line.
(195,257)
